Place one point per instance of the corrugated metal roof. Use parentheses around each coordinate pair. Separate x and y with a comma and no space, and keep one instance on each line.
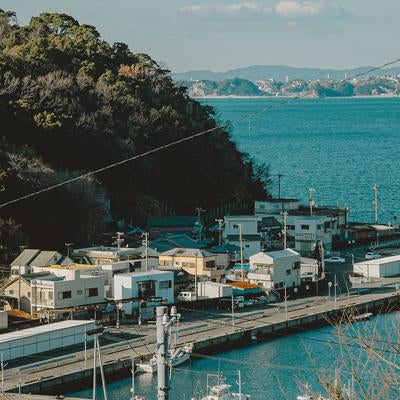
(45,258)
(25,257)
(37,330)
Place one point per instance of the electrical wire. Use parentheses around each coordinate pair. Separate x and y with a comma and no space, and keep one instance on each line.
(185,139)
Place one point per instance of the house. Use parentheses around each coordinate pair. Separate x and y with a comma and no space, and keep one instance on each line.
(104,254)
(251,237)
(174,225)
(275,269)
(144,286)
(227,254)
(306,225)
(56,287)
(169,242)
(194,261)
(361,233)
(30,258)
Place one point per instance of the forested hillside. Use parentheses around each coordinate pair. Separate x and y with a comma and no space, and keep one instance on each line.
(69,103)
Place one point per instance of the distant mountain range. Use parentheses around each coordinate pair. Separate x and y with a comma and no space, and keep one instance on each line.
(279,73)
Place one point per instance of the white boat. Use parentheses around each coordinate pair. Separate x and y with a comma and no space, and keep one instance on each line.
(362,317)
(178,356)
(222,391)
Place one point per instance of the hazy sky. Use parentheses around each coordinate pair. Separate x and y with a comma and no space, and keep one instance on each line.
(224,34)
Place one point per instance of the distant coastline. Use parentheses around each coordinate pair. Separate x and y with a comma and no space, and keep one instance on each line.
(372,96)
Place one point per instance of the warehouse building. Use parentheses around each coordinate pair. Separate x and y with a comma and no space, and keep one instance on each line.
(381,268)
(43,338)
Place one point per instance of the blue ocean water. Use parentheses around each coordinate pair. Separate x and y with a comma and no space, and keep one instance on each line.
(276,369)
(340,147)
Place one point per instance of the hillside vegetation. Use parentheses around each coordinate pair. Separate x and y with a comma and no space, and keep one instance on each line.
(69,103)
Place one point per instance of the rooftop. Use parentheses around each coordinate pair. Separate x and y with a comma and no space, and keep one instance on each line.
(56,326)
(183,252)
(276,200)
(25,257)
(380,261)
(145,273)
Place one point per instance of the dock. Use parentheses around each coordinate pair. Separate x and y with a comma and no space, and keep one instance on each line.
(209,333)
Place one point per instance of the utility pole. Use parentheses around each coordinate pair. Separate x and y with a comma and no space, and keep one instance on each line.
(145,243)
(241,249)
(220,229)
(195,275)
(311,190)
(285,215)
(375,189)
(118,242)
(163,326)
(21,249)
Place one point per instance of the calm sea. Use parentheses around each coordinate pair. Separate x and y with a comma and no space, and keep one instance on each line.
(275,369)
(340,147)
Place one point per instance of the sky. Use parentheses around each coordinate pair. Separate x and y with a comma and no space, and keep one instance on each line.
(225,34)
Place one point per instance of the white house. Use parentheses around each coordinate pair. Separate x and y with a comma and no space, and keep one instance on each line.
(380,268)
(250,233)
(57,287)
(144,286)
(276,269)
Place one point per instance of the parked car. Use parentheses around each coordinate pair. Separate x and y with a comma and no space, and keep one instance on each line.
(335,260)
(372,255)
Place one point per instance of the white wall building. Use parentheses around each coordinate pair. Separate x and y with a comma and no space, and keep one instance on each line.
(214,290)
(276,269)
(250,233)
(381,268)
(143,286)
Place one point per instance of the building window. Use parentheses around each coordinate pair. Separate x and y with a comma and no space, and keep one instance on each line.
(64,295)
(288,272)
(92,292)
(296,265)
(188,265)
(262,206)
(305,227)
(235,226)
(319,227)
(291,227)
(11,292)
(50,294)
(210,264)
(247,245)
(29,294)
(165,284)
(79,292)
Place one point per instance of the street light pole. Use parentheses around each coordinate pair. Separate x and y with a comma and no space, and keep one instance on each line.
(329,291)
(335,286)
(241,249)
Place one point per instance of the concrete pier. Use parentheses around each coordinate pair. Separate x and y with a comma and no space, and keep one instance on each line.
(208,333)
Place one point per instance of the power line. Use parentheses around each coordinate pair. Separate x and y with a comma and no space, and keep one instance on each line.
(179,141)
